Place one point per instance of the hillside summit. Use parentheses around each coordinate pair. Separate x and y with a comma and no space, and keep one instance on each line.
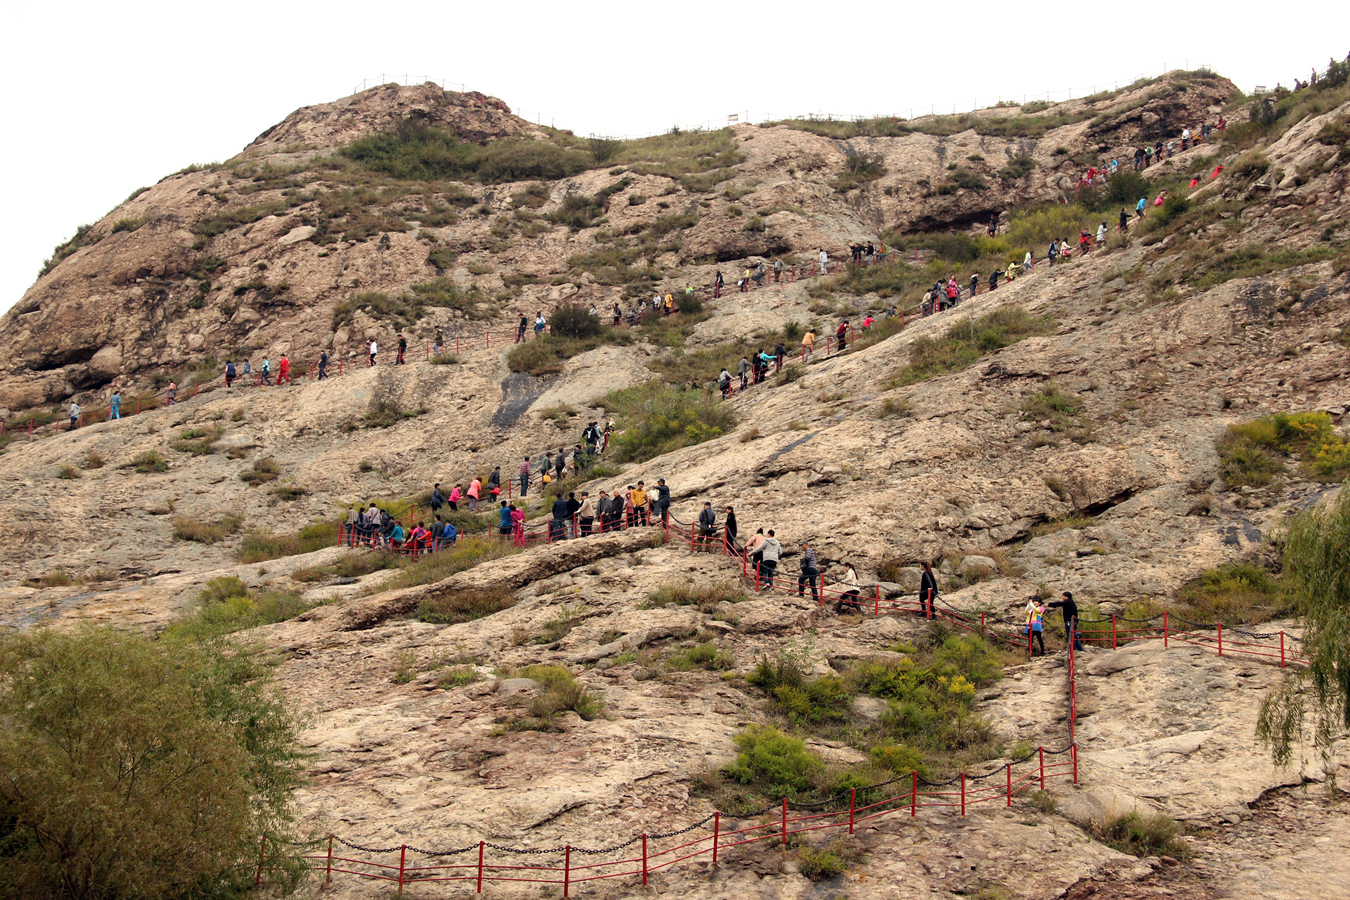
(1135,425)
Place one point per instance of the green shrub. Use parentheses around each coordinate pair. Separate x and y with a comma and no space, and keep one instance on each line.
(1235,592)
(262,471)
(574,321)
(149,461)
(702,656)
(67,471)
(706,596)
(226,605)
(561,692)
(1253,453)
(188,529)
(172,764)
(958,348)
(421,152)
(452,607)
(656,419)
(776,765)
(261,545)
(1141,835)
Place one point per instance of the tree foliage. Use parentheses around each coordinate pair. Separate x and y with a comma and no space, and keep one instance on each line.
(131,768)
(1317,568)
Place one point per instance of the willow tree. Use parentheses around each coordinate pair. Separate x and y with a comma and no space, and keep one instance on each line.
(1317,569)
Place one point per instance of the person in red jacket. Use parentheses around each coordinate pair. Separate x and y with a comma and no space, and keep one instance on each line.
(283,370)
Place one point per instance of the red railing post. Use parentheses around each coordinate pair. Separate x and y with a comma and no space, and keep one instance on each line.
(487,341)
(567,871)
(876,588)
(1073,753)
(756,576)
(1281,649)
(963,793)
(913,793)
(784,821)
(262,856)
(1008,766)
(480,867)
(1221,639)
(981,623)
(1042,753)
(644,860)
(852,803)
(328,878)
(1113,631)
(717,828)
(691,537)
(402,864)
(1164,629)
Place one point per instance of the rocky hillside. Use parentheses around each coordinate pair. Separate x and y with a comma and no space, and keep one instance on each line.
(283,248)
(1066,431)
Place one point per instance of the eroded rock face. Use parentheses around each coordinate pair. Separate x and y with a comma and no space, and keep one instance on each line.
(212,260)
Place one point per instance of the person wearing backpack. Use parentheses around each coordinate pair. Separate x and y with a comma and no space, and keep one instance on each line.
(229,373)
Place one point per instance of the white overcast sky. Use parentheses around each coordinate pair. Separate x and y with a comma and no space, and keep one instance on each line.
(105,97)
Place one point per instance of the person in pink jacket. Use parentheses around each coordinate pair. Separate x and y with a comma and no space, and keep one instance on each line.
(518,524)
(475,487)
(455,496)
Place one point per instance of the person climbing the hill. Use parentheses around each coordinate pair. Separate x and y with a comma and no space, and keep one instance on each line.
(1052,253)
(760,272)
(824,262)
(436,340)
(1140,207)
(1035,613)
(494,480)
(928,589)
(639,497)
(851,599)
(1011,274)
(974,283)
(724,383)
(809,573)
(114,406)
(661,503)
(808,345)
(229,373)
(717,284)
(765,361)
(74,415)
(993,279)
(323,365)
(283,370)
(729,528)
(525,477)
(266,371)
(402,348)
(437,498)
(1066,603)
(953,292)
(370,353)
(504,519)
(778,269)
(248,367)
(707,520)
(1101,235)
(1124,220)
(743,370)
(752,547)
(993,224)
(1028,263)
(841,335)
(586,514)
(539,323)
(779,354)
(475,488)
(770,552)
(456,495)
(171,395)
(557,526)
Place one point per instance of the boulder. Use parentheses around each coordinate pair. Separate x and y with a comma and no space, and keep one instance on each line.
(106,362)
